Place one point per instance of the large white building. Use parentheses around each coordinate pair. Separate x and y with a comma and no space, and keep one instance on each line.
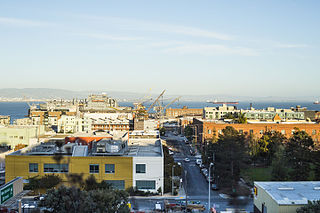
(284,197)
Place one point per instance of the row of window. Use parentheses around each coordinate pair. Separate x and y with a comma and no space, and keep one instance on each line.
(314,132)
(93,168)
(140,184)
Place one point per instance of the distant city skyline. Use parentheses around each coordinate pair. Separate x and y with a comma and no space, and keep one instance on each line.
(239,48)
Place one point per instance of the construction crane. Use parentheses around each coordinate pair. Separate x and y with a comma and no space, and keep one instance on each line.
(156,101)
(160,109)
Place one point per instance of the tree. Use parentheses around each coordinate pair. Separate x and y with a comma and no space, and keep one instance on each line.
(45,182)
(73,199)
(162,131)
(241,118)
(279,170)
(269,144)
(298,153)
(230,154)
(311,207)
(188,132)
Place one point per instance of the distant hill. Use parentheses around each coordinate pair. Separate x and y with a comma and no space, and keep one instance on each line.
(46,93)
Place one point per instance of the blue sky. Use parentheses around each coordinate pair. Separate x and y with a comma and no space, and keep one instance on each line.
(245,48)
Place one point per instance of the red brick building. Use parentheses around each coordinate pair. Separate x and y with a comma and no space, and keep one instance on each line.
(206,129)
(185,111)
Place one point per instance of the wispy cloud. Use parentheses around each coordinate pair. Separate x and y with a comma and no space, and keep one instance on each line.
(291,46)
(211,49)
(140,25)
(22,22)
(104,36)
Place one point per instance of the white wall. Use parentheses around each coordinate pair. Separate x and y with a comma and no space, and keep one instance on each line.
(154,171)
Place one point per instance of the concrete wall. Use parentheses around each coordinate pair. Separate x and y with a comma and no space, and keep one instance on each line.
(154,171)
(14,135)
(18,165)
(264,198)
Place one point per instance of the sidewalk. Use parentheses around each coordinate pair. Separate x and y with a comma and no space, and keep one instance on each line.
(181,194)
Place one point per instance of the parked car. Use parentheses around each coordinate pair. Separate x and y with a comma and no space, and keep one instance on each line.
(211,178)
(186,160)
(198,162)
(214,186)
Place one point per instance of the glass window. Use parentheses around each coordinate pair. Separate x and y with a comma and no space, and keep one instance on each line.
(314,131)
(116,184)
(109,168)
(94,168)
(33,167)
(261,131)
(140,168)
(146,184)
(55,168)
(240,131)
(251,131)
(283,131)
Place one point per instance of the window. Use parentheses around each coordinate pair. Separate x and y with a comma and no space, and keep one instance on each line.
(209,131)
(146,184)
(261,131)
(116,184)
(94,168)
(140,168)
(292,131)
(219,131)
(33,167)
(109,168)
(283,131)
(251,131)
(314,132)
(240,131)
(55,168)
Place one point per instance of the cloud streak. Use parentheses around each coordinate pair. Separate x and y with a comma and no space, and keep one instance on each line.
(22,22)
(140,25)
(104,36)
(211,49)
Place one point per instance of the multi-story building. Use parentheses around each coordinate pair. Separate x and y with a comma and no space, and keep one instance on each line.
(122,163)
(13,135)
(269,114)
(4,120)
(219,112)
(23,121)
(73,124)
(185,111)
(280,197)
(207,129)
(110,124)
(99,103)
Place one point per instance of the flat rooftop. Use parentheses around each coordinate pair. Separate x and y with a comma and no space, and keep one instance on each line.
(291,193)
(133,148)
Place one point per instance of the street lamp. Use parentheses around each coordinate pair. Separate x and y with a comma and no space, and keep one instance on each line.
(211,164)
(172,184)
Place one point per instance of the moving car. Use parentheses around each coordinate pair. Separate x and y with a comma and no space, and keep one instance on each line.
(186,160)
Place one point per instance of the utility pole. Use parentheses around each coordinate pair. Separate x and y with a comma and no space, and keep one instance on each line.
(172,183)
(209,197)
(185,188)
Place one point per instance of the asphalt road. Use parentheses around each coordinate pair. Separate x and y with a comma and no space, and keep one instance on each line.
(196,184)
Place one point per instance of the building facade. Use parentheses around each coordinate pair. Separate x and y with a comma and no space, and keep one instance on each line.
(207,129)
(184,111)
(135,163)
(4,120)
(284,197)
(14,135)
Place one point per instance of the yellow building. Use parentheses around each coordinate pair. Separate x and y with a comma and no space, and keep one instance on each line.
(108,160)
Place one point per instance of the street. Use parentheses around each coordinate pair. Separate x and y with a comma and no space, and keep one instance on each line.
(196,184)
